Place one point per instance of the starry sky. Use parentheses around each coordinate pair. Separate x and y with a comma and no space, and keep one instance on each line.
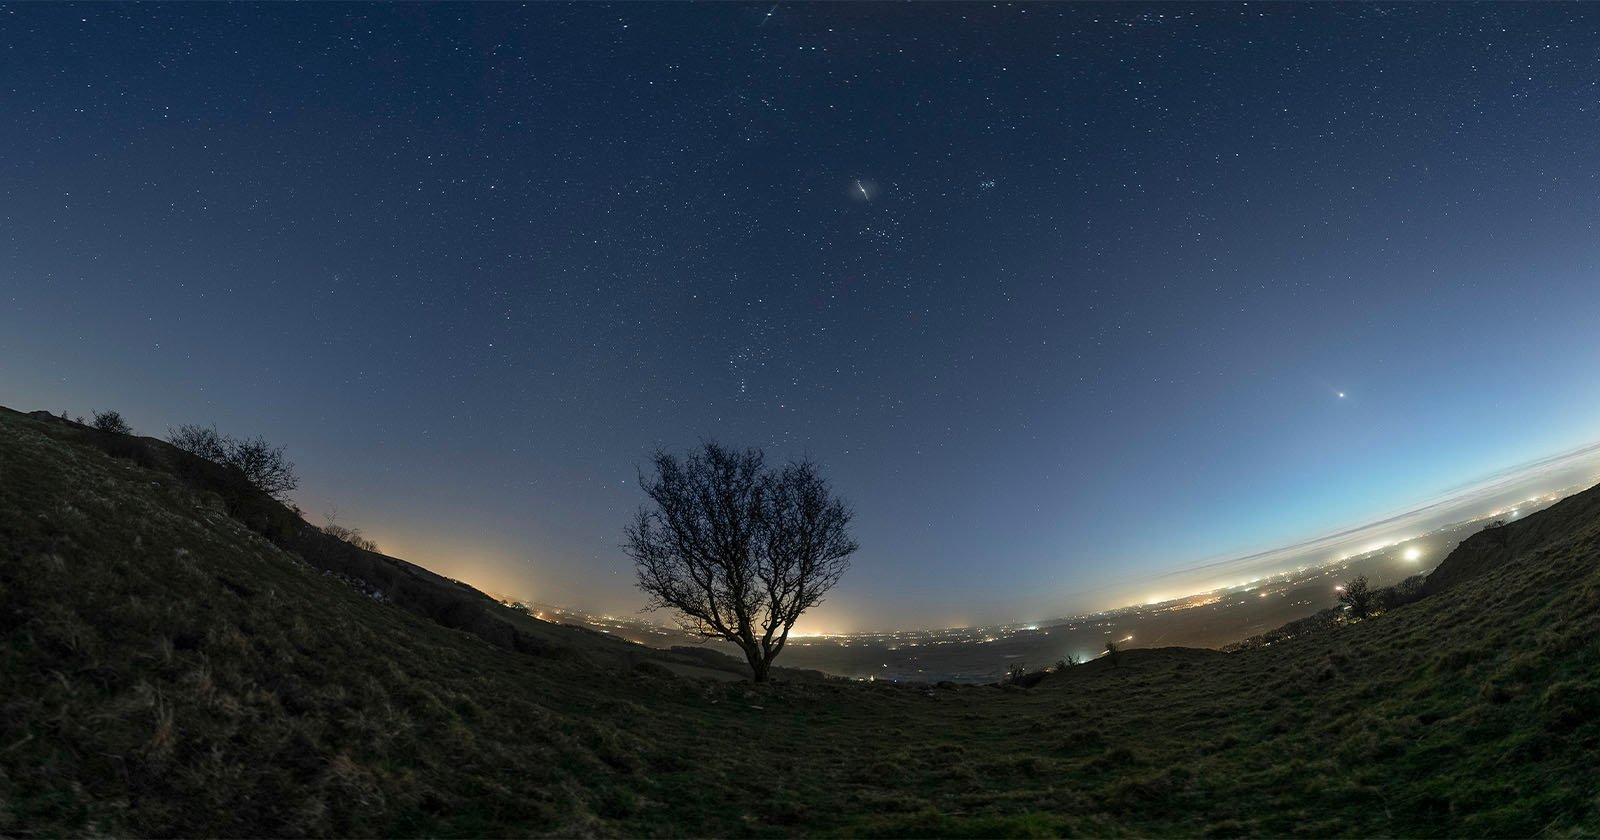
(1063,297)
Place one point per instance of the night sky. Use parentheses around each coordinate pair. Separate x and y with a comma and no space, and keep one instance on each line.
(1064,298)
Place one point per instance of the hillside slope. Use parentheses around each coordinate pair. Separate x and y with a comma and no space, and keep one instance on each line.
(1497,545)
(406,585)
(170,671)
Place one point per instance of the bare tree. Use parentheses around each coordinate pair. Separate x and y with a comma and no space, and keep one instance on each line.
(738,550)
(263,464)
(1357,597)
(204,441)
(352,536)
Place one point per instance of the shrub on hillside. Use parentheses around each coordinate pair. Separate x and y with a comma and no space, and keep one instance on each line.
(1028,679)
(263,464)
(1381,600)
(111,421)
(1014,674)
(1498,532)
(1357,597)
(1402,593)
(352,536)
(200,440)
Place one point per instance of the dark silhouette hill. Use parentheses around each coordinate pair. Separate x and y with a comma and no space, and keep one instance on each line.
(391,580)
(1504,542)
(180,659)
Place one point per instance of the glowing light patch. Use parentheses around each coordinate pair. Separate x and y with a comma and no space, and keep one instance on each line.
(1412,553)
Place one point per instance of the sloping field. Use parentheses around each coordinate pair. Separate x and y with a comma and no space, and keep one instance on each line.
(170,668)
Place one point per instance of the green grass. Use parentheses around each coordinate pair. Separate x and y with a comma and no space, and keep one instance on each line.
(169,671)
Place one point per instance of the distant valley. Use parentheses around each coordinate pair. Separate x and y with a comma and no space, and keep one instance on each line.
(986,654)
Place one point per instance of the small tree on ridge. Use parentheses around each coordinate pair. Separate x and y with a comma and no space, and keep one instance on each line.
(263,464)
(204,441)
(1357,597)
(738,550)
(111,421)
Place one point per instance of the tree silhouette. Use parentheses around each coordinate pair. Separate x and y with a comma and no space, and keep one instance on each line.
(111,421)
(352,536)
(204,441)
(1357,597)
(263,464)
(737,549)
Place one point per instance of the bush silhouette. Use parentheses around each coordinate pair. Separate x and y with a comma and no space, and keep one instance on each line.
(1357,597)
(263,464)
(111,421)
(200,440)
(1404,592)
(352,536)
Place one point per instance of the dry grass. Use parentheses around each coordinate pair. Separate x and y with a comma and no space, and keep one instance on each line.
(167,671)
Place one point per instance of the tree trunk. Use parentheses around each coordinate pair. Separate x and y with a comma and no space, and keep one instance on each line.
(760,667)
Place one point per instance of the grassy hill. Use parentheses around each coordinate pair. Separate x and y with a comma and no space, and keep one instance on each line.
(178,657)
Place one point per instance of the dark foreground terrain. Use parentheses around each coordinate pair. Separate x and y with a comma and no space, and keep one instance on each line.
(181,657)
